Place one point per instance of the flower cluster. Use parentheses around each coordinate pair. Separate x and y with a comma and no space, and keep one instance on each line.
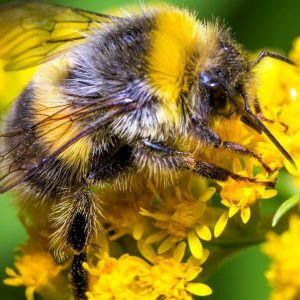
(282,104)
(279,93)
(131,277)
(37,270)
(284,272)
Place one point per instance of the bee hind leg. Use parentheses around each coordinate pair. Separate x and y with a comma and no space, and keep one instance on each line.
(77,239)
(75,219)
(78,276)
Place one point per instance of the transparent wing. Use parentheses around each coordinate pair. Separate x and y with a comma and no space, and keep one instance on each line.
(12,173)
(32,33)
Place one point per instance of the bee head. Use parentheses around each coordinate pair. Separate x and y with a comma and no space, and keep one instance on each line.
(223,91)
(221,81)
(215,95)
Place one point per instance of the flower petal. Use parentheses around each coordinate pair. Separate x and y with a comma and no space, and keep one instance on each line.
(199,289)
(146,250)
(29,292)
(205,256)
(269,194)
(179,252)
(195,245)
(166,245)
(232,211)
(157,216)
(192,273)
(10,272)
(291,168)
(156,237)
(203,232)
(245,214)
(221,224)
(138,231)
(207,194)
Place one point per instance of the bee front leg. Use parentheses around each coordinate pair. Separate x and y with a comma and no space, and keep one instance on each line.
(179,161)
(212,139)
(214,172)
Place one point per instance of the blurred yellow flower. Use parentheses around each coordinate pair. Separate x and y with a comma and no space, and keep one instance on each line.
(12,84)
(295,52)
(284,272)
(279,95)
(122,212)
(39,273)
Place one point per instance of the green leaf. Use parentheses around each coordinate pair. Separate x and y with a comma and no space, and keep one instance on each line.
(285,207)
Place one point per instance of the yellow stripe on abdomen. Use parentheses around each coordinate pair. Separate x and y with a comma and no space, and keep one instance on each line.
(54,114)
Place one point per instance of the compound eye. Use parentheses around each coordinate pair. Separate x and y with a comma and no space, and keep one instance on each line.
(219,100)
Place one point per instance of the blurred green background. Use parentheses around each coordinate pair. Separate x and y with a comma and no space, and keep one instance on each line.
(270,24)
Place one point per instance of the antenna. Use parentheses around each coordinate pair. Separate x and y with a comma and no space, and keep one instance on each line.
(264,54)
(251,120)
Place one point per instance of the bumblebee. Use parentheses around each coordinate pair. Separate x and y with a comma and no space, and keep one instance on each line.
(115,99)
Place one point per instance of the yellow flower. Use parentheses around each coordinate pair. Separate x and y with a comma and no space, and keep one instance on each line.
(278,85)
(284,272)
(279,94)
(240,196)
(122,212)
(180,215)
(39,273)
(170,277)
(295,52)
(12,84)
(130,277)
(113,278)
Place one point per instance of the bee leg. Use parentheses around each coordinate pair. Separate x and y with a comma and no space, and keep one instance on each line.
(77,238)
(258,110)
(159,157)
(78,235)
(78,276)
(235,147)
(182,161)
(211,138)
(214,172)
(75,218)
